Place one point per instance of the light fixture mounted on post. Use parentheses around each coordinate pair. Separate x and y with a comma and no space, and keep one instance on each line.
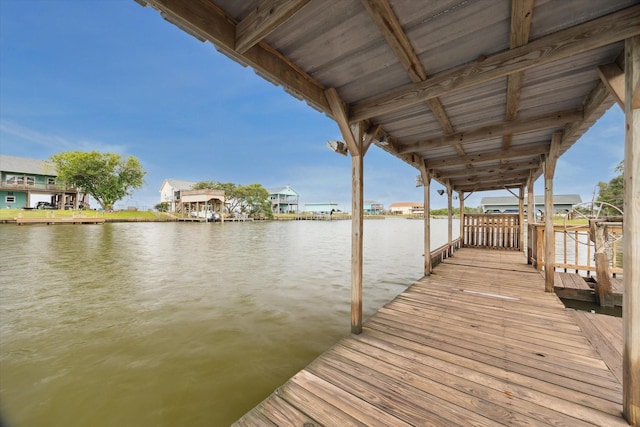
(338,147)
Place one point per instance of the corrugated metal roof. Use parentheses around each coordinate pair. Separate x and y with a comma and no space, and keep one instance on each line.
(26,165)
(178,184)
(286,190)
(443,70)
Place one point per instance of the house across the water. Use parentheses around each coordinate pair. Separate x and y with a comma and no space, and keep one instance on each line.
(320,207)
(407,208)
(284,200)
(371,207)
(562,203)
(28,183)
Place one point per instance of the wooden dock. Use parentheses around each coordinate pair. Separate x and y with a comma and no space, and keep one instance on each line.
(573,286)
(63,220)
(478,342)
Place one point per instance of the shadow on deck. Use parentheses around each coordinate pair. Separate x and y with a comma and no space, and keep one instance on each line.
(478,342)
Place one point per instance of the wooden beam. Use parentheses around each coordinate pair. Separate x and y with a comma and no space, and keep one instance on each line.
(389,25)
(562,44)
(494,185)
(264,19)
(369,136)
(549,234)
(591,103)
(339,113)
(488,170)
(490,179)
(631,220)
(498,129)
(528,150)
(205,20)
(471,189)
(521,14)
(613,78)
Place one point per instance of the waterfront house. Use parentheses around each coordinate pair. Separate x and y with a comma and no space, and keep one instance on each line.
(371,207)
(478,96)
(562,203)
(320,207)
(407,208)
(170,191)
(284,200)
(26,181)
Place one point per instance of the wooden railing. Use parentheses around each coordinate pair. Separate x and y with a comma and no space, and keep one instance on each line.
(445,251)
(574,251)
(491,231)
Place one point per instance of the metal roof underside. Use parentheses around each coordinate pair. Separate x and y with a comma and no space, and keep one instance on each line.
(471,91)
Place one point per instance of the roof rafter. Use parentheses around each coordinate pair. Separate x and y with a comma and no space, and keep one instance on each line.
(389,25)
(264,19)
(599,32)
(472,178)
(499,129)
(479,172)
(521,14)
(529,150)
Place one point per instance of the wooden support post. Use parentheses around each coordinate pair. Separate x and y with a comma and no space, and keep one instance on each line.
(461,197)
(521,220)
(449,218)
(426,179)
(357,219)
(603,287)
(531,215)
(549,236)
(353,137)
(631,221)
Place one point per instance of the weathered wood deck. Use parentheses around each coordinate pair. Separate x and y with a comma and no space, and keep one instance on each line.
(478,342)
(63,220)
(575,287)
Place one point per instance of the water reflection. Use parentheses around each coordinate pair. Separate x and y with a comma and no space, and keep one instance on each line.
(179,324)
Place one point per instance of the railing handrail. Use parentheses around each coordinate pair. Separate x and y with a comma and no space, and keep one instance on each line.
(536,249)
(492,230)
(445,251)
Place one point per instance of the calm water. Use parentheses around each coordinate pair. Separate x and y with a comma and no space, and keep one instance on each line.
(164,324)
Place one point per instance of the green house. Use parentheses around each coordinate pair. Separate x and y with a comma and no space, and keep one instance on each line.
(284,200)
(25,181)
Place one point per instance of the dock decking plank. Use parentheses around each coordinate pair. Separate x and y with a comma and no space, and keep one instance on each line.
(460,387)
(478,342)
(600,338)
(510,382)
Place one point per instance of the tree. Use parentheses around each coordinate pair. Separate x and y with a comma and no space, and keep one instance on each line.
(162,207)
(255,201)
(107,177)
(613,192)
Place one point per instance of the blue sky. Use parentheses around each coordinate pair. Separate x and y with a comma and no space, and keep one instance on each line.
(112,76)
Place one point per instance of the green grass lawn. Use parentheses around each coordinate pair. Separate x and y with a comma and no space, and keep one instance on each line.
(117,215)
